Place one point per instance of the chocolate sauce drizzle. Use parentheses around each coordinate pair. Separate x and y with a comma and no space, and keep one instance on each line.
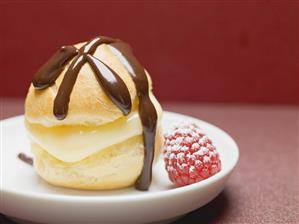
(25,158)
(111,83)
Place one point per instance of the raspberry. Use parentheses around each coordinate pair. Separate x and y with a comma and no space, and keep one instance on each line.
(189,155)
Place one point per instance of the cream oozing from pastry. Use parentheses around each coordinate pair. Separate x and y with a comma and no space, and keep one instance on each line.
(74,143)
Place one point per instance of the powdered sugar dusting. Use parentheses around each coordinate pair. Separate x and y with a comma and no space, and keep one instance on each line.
(189,155)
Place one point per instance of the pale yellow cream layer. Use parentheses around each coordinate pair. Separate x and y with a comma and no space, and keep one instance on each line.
(74,143)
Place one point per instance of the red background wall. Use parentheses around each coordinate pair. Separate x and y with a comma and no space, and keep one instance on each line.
(218,51)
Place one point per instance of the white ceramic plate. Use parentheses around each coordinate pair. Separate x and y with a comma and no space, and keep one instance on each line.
(27,197)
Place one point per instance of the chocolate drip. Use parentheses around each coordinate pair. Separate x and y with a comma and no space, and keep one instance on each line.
(148,116)
(147,112)
(61,102)
(91,46)
(49,72)
(25,158)
(113,86)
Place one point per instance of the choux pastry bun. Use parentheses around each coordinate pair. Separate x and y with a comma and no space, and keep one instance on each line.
(92,118)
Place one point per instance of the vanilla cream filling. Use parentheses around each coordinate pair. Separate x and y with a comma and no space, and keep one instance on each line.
(74,143)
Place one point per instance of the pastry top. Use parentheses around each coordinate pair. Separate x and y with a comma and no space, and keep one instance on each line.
(89,104)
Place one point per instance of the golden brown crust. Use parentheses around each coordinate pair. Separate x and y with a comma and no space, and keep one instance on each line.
(117,166)
(88,103)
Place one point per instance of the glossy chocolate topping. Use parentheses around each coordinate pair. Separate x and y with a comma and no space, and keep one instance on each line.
(147,112)
(49,72)
(111,83)
(61,102)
